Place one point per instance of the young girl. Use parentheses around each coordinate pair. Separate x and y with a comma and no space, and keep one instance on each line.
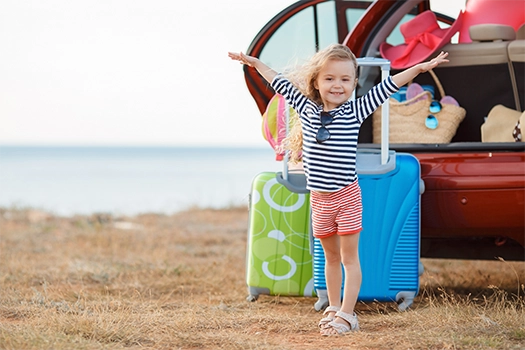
(330,125)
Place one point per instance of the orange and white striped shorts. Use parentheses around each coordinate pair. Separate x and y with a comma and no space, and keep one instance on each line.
(339,212)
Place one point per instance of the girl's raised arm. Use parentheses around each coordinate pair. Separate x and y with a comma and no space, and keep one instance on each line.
(262,68)
(407,75)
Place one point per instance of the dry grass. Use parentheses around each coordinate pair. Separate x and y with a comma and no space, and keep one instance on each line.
(177,282)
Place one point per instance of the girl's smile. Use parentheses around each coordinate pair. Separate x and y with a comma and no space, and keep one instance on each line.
(336,82)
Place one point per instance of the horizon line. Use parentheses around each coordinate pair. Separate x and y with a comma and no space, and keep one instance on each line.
(133,145)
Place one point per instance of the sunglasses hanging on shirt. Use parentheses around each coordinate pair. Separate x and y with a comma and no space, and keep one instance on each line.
(323,134)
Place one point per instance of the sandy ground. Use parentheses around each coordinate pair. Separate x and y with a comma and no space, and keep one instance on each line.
(178,282)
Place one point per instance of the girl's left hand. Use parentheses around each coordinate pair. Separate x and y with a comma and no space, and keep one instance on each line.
(433,63)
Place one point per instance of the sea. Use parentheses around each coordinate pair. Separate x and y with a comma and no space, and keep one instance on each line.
(69,181)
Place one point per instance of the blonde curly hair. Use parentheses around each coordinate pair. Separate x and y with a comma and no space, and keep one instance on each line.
(304,78)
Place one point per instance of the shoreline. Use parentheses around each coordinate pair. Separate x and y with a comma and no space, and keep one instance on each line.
(36,215)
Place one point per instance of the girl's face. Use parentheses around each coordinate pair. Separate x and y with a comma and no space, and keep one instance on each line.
(336,82)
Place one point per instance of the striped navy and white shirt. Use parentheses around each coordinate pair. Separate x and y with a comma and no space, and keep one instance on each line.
(331,165)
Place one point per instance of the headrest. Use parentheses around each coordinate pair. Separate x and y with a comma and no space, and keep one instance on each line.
(520,33)
(491,32)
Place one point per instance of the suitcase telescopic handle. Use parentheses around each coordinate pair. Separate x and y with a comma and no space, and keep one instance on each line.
(286,156)
(384,64)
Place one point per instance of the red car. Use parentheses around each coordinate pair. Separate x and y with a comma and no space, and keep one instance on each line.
(473,206)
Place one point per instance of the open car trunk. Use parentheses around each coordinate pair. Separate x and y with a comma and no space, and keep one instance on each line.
(474,190)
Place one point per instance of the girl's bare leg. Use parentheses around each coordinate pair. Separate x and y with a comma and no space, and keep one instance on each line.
(349,253)
(333,271)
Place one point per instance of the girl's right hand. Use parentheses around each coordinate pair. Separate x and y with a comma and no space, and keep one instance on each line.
(267,73)
(242,58)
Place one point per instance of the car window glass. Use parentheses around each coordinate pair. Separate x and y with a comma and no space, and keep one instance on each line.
(327,23)
(295,40)
(292,42)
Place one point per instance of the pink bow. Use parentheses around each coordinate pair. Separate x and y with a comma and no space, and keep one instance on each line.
(426,38)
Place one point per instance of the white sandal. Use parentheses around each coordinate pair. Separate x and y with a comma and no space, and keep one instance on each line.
(326,320)
(341,328)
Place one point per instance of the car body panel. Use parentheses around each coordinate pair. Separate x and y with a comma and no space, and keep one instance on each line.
(481,191)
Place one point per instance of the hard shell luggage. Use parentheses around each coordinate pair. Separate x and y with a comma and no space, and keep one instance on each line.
(389,244)
(278,258)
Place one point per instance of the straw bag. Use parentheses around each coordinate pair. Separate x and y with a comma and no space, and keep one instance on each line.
(503,124)
(412,122)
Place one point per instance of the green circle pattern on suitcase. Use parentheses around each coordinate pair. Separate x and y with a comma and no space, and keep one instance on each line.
(279,261)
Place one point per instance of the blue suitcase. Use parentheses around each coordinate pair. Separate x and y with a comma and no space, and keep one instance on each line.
(390,241)
(389,246)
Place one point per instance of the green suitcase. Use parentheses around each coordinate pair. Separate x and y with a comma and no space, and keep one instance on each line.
(279,260)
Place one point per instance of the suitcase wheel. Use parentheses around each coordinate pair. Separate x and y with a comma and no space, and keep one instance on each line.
(404,305)
(405,300)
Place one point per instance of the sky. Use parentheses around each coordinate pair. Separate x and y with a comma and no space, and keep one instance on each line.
(128,72)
